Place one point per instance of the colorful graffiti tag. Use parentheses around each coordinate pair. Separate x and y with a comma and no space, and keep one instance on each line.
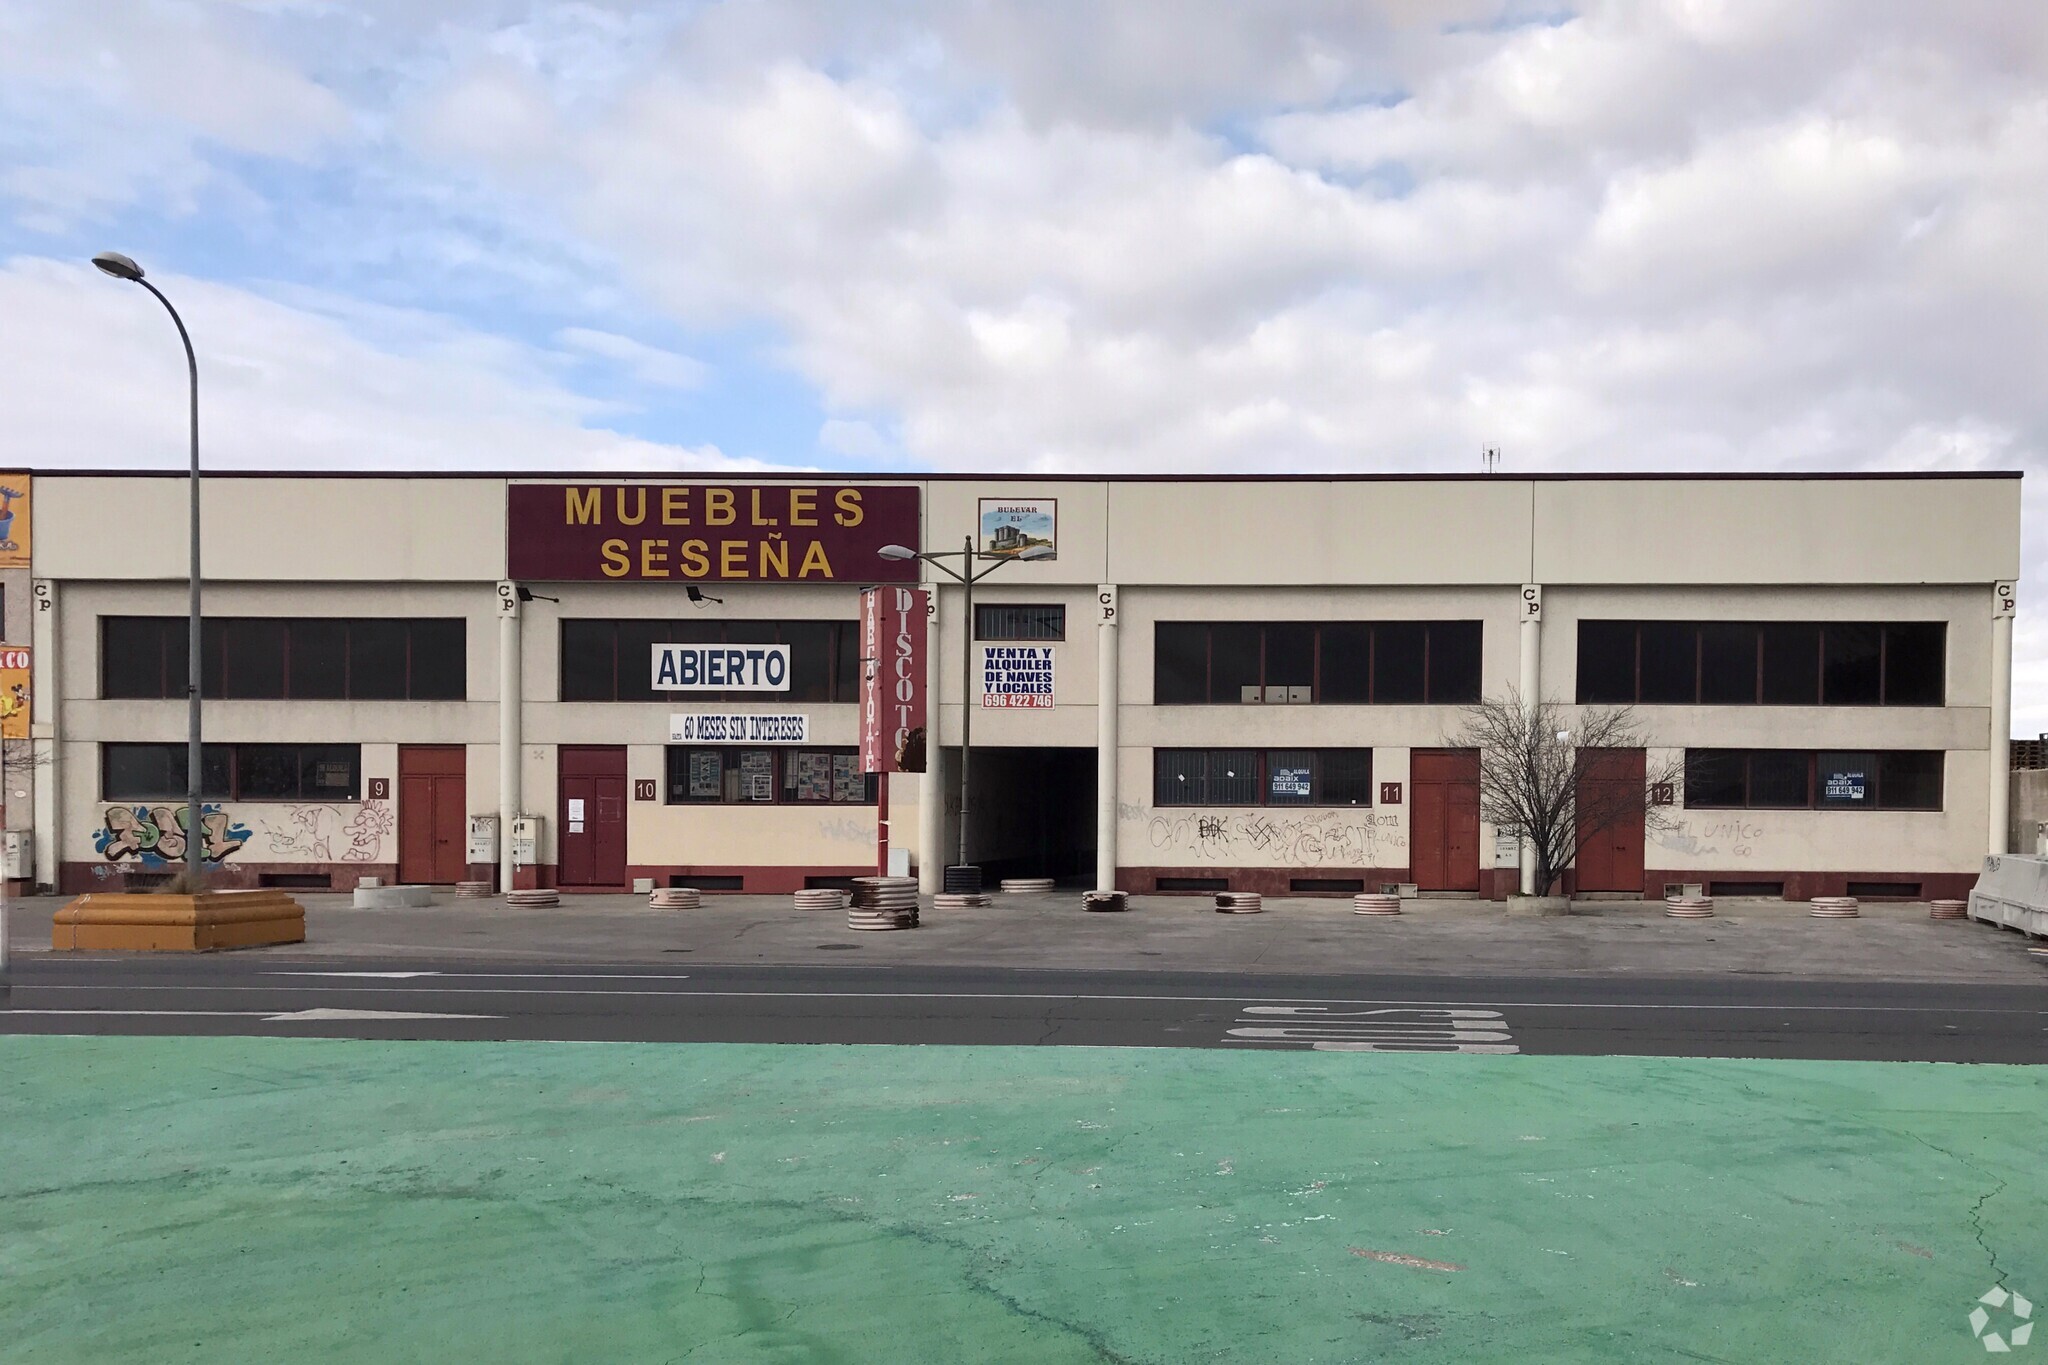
(155,835)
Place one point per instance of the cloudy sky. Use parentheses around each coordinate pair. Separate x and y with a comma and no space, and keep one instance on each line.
(1036,234)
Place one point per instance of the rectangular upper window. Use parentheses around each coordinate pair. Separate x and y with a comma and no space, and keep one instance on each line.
(1805,779)
(1007,621)
(734,776)
(614,660)
(1262,777)
(233,772)
(260,658)
(1383,662)
(1770,663)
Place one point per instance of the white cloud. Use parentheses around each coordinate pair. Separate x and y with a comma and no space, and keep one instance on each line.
(1050,234)
(644,363)
(96,379)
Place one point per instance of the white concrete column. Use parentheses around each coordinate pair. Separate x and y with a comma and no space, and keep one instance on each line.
(931,794)
(2004,606)
(1107,638)
(510,663)
(1531,686)
(46,733)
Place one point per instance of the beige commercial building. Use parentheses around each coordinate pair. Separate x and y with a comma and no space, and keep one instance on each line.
(1177,684)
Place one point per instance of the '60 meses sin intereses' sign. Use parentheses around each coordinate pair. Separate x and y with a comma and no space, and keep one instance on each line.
(775,533)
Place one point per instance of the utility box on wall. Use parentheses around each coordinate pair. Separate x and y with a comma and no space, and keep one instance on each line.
(483,839)
(526,841)
(18,857)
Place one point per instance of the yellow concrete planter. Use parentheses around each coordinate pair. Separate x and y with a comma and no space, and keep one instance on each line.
(151,923)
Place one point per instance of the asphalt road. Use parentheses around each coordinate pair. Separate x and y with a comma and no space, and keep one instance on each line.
(1727,1017)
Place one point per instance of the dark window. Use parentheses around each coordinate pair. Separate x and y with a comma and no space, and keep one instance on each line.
(1851,664)
(1004,621)
(1716,777)
(1801,779)
(440,664)
(614,660)
(1400,668)
(1454,673)
(1607,661)
(252,653)
(1779,778)
(1728,663)
(1290,656)
(1915,659)
(734,776)
(132,658)
(233,772)
(319,660)
(1205,777)
(1346,778)
(1909,779)
(1791,654)
(1776,663)
(589,661)
(1180,663)
(376,660)
(1347,662)
(1389,662)
(256,658)
(1276,777)
(1234,662)
(1670,663)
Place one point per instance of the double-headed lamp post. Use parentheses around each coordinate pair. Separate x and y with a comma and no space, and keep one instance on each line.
(966,576)
(123,268)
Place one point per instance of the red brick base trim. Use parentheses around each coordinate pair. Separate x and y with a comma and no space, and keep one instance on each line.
(77,878)
(1499,883)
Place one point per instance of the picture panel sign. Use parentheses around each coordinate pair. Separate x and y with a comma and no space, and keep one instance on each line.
(709,533)
(1010,526)
(892,695)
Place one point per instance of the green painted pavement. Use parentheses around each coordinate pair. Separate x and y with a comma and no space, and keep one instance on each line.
(196,1199)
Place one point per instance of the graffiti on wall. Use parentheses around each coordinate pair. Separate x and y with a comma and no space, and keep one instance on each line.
(1328,838)
(1709,837)
(155,836)
(328,834)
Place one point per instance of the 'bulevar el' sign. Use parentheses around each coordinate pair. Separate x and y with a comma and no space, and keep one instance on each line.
(778,533)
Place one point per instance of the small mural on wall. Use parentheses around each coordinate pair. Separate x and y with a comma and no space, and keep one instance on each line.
(14,520)
(291,832)
(154,836)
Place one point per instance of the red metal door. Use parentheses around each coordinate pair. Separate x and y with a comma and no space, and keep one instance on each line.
(432,814)
(1443,844)
(592,817)
(1612,860)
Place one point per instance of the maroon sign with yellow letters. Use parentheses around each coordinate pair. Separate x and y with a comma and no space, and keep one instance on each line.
(717,533)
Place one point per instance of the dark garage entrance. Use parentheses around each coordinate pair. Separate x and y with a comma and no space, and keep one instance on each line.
(1033,816)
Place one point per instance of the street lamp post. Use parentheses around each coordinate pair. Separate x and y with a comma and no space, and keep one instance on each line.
(966,576)
(123,268)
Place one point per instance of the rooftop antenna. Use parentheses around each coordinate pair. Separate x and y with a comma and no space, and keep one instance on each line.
(1490,457)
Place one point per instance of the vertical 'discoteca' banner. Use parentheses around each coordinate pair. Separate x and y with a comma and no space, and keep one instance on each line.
(892,700)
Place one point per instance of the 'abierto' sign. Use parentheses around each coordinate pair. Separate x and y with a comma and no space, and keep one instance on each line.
(1016,676)
(721,668)
(892,693)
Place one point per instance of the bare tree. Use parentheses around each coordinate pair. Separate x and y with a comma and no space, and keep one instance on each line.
(1532,760)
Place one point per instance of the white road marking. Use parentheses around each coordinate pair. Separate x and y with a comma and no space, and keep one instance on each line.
(321,1016)
(1322,1028)
(500,976)
(312,1016)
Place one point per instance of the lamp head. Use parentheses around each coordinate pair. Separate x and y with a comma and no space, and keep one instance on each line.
(1035,552)
(119,266)
(897,552)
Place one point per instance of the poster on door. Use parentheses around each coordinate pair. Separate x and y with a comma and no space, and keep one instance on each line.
(1017,677)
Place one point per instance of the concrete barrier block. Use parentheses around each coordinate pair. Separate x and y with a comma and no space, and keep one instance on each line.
(392,897)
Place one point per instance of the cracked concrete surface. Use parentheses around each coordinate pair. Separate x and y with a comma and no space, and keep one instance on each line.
(197,1199)
(1177,933)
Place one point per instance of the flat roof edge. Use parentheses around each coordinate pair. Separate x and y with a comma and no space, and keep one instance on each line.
(837,476)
